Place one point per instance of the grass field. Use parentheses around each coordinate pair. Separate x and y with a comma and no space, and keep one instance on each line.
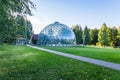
(107,54)
(24,63)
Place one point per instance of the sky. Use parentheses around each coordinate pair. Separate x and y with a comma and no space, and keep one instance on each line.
(91,13)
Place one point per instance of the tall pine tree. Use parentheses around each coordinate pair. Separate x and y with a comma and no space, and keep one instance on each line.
(77,29)
(93,36)
(87,35)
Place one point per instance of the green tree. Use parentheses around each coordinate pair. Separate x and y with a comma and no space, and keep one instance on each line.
(118,37)
(9,9)
(20,26)
(78,33)
(87,35)
(103,35)
(29,30)
(112,36)
(94,36)
(24,27)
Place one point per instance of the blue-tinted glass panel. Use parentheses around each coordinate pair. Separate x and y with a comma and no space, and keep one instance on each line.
(57,34)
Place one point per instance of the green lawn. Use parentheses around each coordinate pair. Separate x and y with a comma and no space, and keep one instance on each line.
(24,63)
(107,54)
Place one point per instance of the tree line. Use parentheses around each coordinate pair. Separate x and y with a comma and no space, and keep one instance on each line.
(12,19)
(105,36)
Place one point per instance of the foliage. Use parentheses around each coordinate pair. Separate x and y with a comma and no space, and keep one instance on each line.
(9,11)
(23,27)
(112,36)
(23,63)
(93,36)
(118,37)
(103,35)
(77,29)
(87,35)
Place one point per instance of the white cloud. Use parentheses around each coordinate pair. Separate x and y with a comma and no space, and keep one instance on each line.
(38,24)
(33,19)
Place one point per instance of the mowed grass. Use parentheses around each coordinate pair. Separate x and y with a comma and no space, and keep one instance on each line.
(101,53)
(24,63)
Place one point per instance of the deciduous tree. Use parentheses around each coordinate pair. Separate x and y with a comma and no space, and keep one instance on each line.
(103,35)
(9,9)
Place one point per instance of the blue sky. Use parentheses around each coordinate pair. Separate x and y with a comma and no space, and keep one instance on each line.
(92,13)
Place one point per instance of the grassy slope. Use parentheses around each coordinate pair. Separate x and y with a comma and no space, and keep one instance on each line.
(23,63)
(107,54)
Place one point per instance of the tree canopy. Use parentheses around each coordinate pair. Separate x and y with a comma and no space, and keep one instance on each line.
(77,29)
(87,35)
(12,18)
(105,36)
(93,36)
